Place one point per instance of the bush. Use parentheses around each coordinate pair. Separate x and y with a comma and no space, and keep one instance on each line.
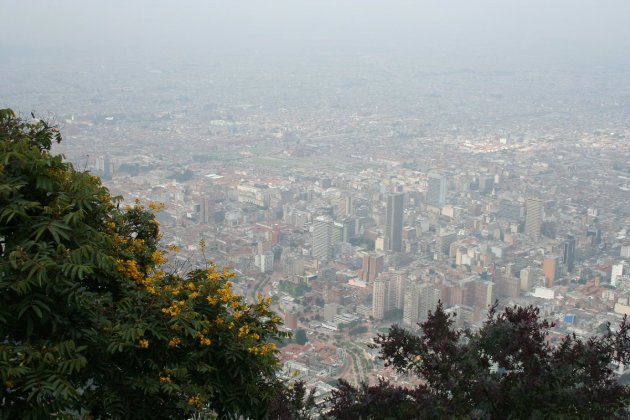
(506,370)
(90,323)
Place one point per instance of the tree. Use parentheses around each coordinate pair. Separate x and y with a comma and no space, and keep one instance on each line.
(293,402)
(92,325)
(506,370)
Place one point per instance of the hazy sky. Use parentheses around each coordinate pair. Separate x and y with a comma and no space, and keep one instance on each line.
(524,30)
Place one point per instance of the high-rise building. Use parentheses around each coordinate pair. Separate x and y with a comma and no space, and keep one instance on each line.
(264,262)
(436,190)
(291,320)
(485,293)
(550,270)
(568,253)
(326,234)
(394,222)
(527,279)
(372,266)
(349,228)
(507,286)
(410,308)
(443,242)
(486,183)
(615,273)
(533,217)
(419,299)
(107,168)
(396,290)
(380,302)
(388,293)
(206,211)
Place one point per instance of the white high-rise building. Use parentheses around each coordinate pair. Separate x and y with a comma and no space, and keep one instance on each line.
(396,290)
(264,262)
(420,298)
(380,302)
(326,234)
(615,272)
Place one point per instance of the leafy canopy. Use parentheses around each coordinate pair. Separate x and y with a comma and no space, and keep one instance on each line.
(90,322)
(507,369)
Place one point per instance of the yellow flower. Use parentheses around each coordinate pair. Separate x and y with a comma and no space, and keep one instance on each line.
(243,331)
(194,401)
(268,348)
(143,343)
(173,248)
(165,379)
(158,258)
(205,341)
(174,342)
(9,383)
(156,207)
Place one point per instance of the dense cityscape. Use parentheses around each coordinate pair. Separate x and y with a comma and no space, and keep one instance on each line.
(358,191)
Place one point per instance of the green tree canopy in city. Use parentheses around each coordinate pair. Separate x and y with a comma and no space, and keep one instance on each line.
(92,325)
(505,370)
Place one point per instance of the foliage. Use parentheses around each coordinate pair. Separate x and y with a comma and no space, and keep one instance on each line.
(91,325)
(292,402)
(359,329)
(296,290)
(506,370)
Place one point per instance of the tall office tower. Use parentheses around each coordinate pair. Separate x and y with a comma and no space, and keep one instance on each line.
(349,205)
(436,192)
(349,228)
(443,242)
(568,253)
(206,211)
(326,234)
(380,303)
(486,183)
(533,217)
(550,270)
(372,266)
(394,222)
